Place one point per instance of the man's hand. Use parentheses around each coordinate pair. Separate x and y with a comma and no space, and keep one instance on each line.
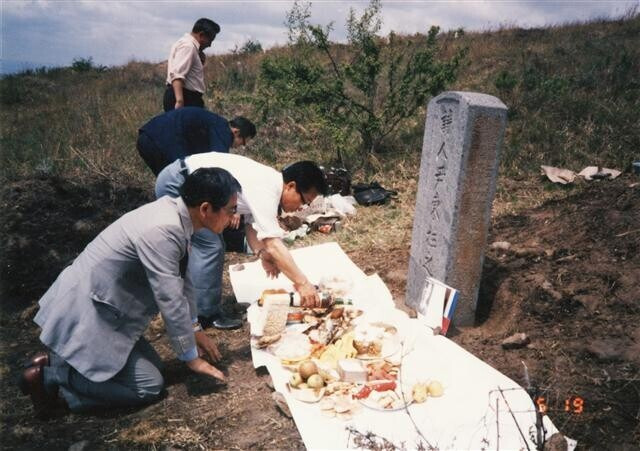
(234,223)
(179,103)
(201,366)
(269,264)
(308,295)
(207,347)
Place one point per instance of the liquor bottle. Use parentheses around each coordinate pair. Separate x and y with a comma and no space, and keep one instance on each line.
(293,298)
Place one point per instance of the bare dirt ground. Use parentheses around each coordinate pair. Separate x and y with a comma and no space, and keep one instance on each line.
(569,280)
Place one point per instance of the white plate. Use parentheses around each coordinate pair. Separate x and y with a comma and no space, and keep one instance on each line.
(399,403)
(390,346)
(292,347)
(308,395)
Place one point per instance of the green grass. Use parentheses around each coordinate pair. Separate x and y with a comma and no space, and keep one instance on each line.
(573,94)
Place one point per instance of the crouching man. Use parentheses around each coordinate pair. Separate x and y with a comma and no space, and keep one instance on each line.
(94,315)
(265,192)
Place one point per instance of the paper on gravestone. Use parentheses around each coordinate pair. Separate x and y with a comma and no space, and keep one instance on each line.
(438,302)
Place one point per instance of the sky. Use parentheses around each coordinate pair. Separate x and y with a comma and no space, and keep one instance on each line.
(54,33)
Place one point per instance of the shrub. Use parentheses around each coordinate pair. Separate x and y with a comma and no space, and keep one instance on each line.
(368,88)
(86,65)
(249,47)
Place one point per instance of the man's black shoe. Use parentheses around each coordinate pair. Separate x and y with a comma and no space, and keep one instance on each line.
(224,323)
(219,322)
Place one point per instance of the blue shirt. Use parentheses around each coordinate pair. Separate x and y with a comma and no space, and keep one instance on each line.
(188,130)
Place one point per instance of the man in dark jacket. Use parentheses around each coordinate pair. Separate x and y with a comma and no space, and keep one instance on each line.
(189,130)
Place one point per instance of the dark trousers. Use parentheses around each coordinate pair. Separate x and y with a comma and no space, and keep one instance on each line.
(138,382)
(151,154)
(191,98)
(234,238)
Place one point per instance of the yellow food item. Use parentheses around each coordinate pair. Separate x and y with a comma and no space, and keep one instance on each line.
(315,381)
(326,376)
(342,349)
(419,393)
(295,380)
(435,389)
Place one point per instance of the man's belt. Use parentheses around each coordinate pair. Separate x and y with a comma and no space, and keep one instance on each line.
(198,93)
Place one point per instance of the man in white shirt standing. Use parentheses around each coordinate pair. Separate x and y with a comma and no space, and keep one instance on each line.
(264,192)
(185,66)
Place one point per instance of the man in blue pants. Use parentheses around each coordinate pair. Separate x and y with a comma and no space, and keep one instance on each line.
(265,191)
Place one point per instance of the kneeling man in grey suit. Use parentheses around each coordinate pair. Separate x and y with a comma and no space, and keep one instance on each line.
(94,315)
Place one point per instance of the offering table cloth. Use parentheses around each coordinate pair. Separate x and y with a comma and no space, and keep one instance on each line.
(480,408)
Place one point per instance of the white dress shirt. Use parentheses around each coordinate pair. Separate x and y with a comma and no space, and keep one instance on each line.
(184,63)
(261,189)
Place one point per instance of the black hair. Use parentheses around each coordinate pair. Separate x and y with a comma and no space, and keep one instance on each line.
(206,26)
(307,176)
(213,185)
(244,125)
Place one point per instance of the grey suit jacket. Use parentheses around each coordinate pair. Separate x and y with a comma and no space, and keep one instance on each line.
(99,306)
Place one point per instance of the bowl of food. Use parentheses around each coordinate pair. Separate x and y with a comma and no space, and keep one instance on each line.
(337,286)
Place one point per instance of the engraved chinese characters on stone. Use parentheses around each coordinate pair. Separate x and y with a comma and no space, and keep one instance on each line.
(458,169)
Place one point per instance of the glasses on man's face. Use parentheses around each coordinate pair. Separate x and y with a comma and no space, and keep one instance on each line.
(303,202)
(231,210)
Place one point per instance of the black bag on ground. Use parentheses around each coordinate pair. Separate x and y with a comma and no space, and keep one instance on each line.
(371,193)
(338,181)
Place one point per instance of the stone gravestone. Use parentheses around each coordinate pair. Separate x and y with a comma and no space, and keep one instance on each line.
(462,140)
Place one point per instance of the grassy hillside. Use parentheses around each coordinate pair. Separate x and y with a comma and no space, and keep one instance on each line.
(569,279)
(573,94)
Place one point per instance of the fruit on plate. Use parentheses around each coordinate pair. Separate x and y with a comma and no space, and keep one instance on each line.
(420,392)
(315,381)
(436,389)
(307,369)
(295,380)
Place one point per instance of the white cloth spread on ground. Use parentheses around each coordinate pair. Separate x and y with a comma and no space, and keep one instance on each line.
(465,417)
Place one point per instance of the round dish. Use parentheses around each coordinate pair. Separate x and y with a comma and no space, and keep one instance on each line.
(292,347)
(389,347)
(385,335)
(308,395)
(372,401)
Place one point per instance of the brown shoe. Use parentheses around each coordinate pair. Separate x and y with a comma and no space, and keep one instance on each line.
(32,383)
(40,359)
